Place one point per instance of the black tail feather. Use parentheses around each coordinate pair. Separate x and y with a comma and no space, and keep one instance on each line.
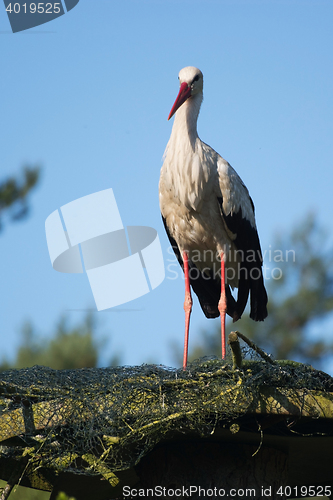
(208,291)
(208,288)
(258,299)
(242,296)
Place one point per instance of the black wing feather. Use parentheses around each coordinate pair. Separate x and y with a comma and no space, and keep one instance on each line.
(250,278)
(205,287)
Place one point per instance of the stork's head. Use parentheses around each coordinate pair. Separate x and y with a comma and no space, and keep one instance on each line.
(191,83)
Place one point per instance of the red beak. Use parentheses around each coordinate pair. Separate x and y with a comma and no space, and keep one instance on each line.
(184,93)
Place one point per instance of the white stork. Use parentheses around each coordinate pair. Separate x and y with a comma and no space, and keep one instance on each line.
(209,217)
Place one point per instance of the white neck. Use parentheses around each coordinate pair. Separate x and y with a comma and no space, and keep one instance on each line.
(185,123)
(184,171)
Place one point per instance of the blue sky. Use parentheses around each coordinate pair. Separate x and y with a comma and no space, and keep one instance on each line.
(87,96)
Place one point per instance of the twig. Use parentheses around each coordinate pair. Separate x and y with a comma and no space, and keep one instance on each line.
(235,350)
(256,348)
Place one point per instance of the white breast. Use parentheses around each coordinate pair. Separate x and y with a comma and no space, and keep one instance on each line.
(188,199)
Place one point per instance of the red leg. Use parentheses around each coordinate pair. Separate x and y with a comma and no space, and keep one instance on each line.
(187,307)
(222,306)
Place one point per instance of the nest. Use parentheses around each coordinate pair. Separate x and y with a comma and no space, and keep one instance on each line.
(97,422)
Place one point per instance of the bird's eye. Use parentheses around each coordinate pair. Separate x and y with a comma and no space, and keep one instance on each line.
(195,79)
